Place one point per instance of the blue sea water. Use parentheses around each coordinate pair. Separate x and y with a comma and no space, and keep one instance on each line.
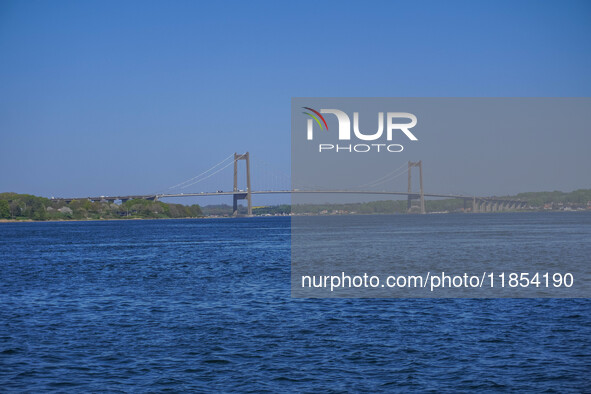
(204,305)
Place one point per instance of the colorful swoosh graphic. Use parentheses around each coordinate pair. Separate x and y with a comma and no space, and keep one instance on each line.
(315,118)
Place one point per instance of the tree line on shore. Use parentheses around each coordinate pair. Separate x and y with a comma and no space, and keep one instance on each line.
(29,207)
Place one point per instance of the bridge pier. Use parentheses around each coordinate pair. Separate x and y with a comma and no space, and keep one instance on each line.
(421,195)
(248,194)
(483,205)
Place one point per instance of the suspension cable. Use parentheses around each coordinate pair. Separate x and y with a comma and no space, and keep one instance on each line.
(210,175)
(389,179)
(385,176)
(203,173)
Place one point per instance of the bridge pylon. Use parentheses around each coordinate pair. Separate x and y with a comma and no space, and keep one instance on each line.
(421,195)
(247,195)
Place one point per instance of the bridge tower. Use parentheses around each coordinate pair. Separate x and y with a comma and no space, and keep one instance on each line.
(246,195)
(421,195)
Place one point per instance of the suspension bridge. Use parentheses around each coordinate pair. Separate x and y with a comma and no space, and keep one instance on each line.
(477,203)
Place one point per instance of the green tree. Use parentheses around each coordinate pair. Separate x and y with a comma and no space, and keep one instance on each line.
(4,209)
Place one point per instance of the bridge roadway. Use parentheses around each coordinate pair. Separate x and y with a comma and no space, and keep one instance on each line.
(243,193)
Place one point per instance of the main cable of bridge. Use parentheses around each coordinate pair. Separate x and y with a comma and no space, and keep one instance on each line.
(267,176)
(387,178)
(209,176)
(265,171)
(203,175)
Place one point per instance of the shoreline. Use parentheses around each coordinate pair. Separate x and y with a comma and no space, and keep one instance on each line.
(266,216)
(91,220)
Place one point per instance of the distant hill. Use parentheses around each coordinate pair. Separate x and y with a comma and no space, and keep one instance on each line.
(220,210)
(581,196)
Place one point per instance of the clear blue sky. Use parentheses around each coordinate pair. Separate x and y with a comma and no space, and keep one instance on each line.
(132,97)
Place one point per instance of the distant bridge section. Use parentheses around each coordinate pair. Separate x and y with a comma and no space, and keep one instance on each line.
(479,204)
